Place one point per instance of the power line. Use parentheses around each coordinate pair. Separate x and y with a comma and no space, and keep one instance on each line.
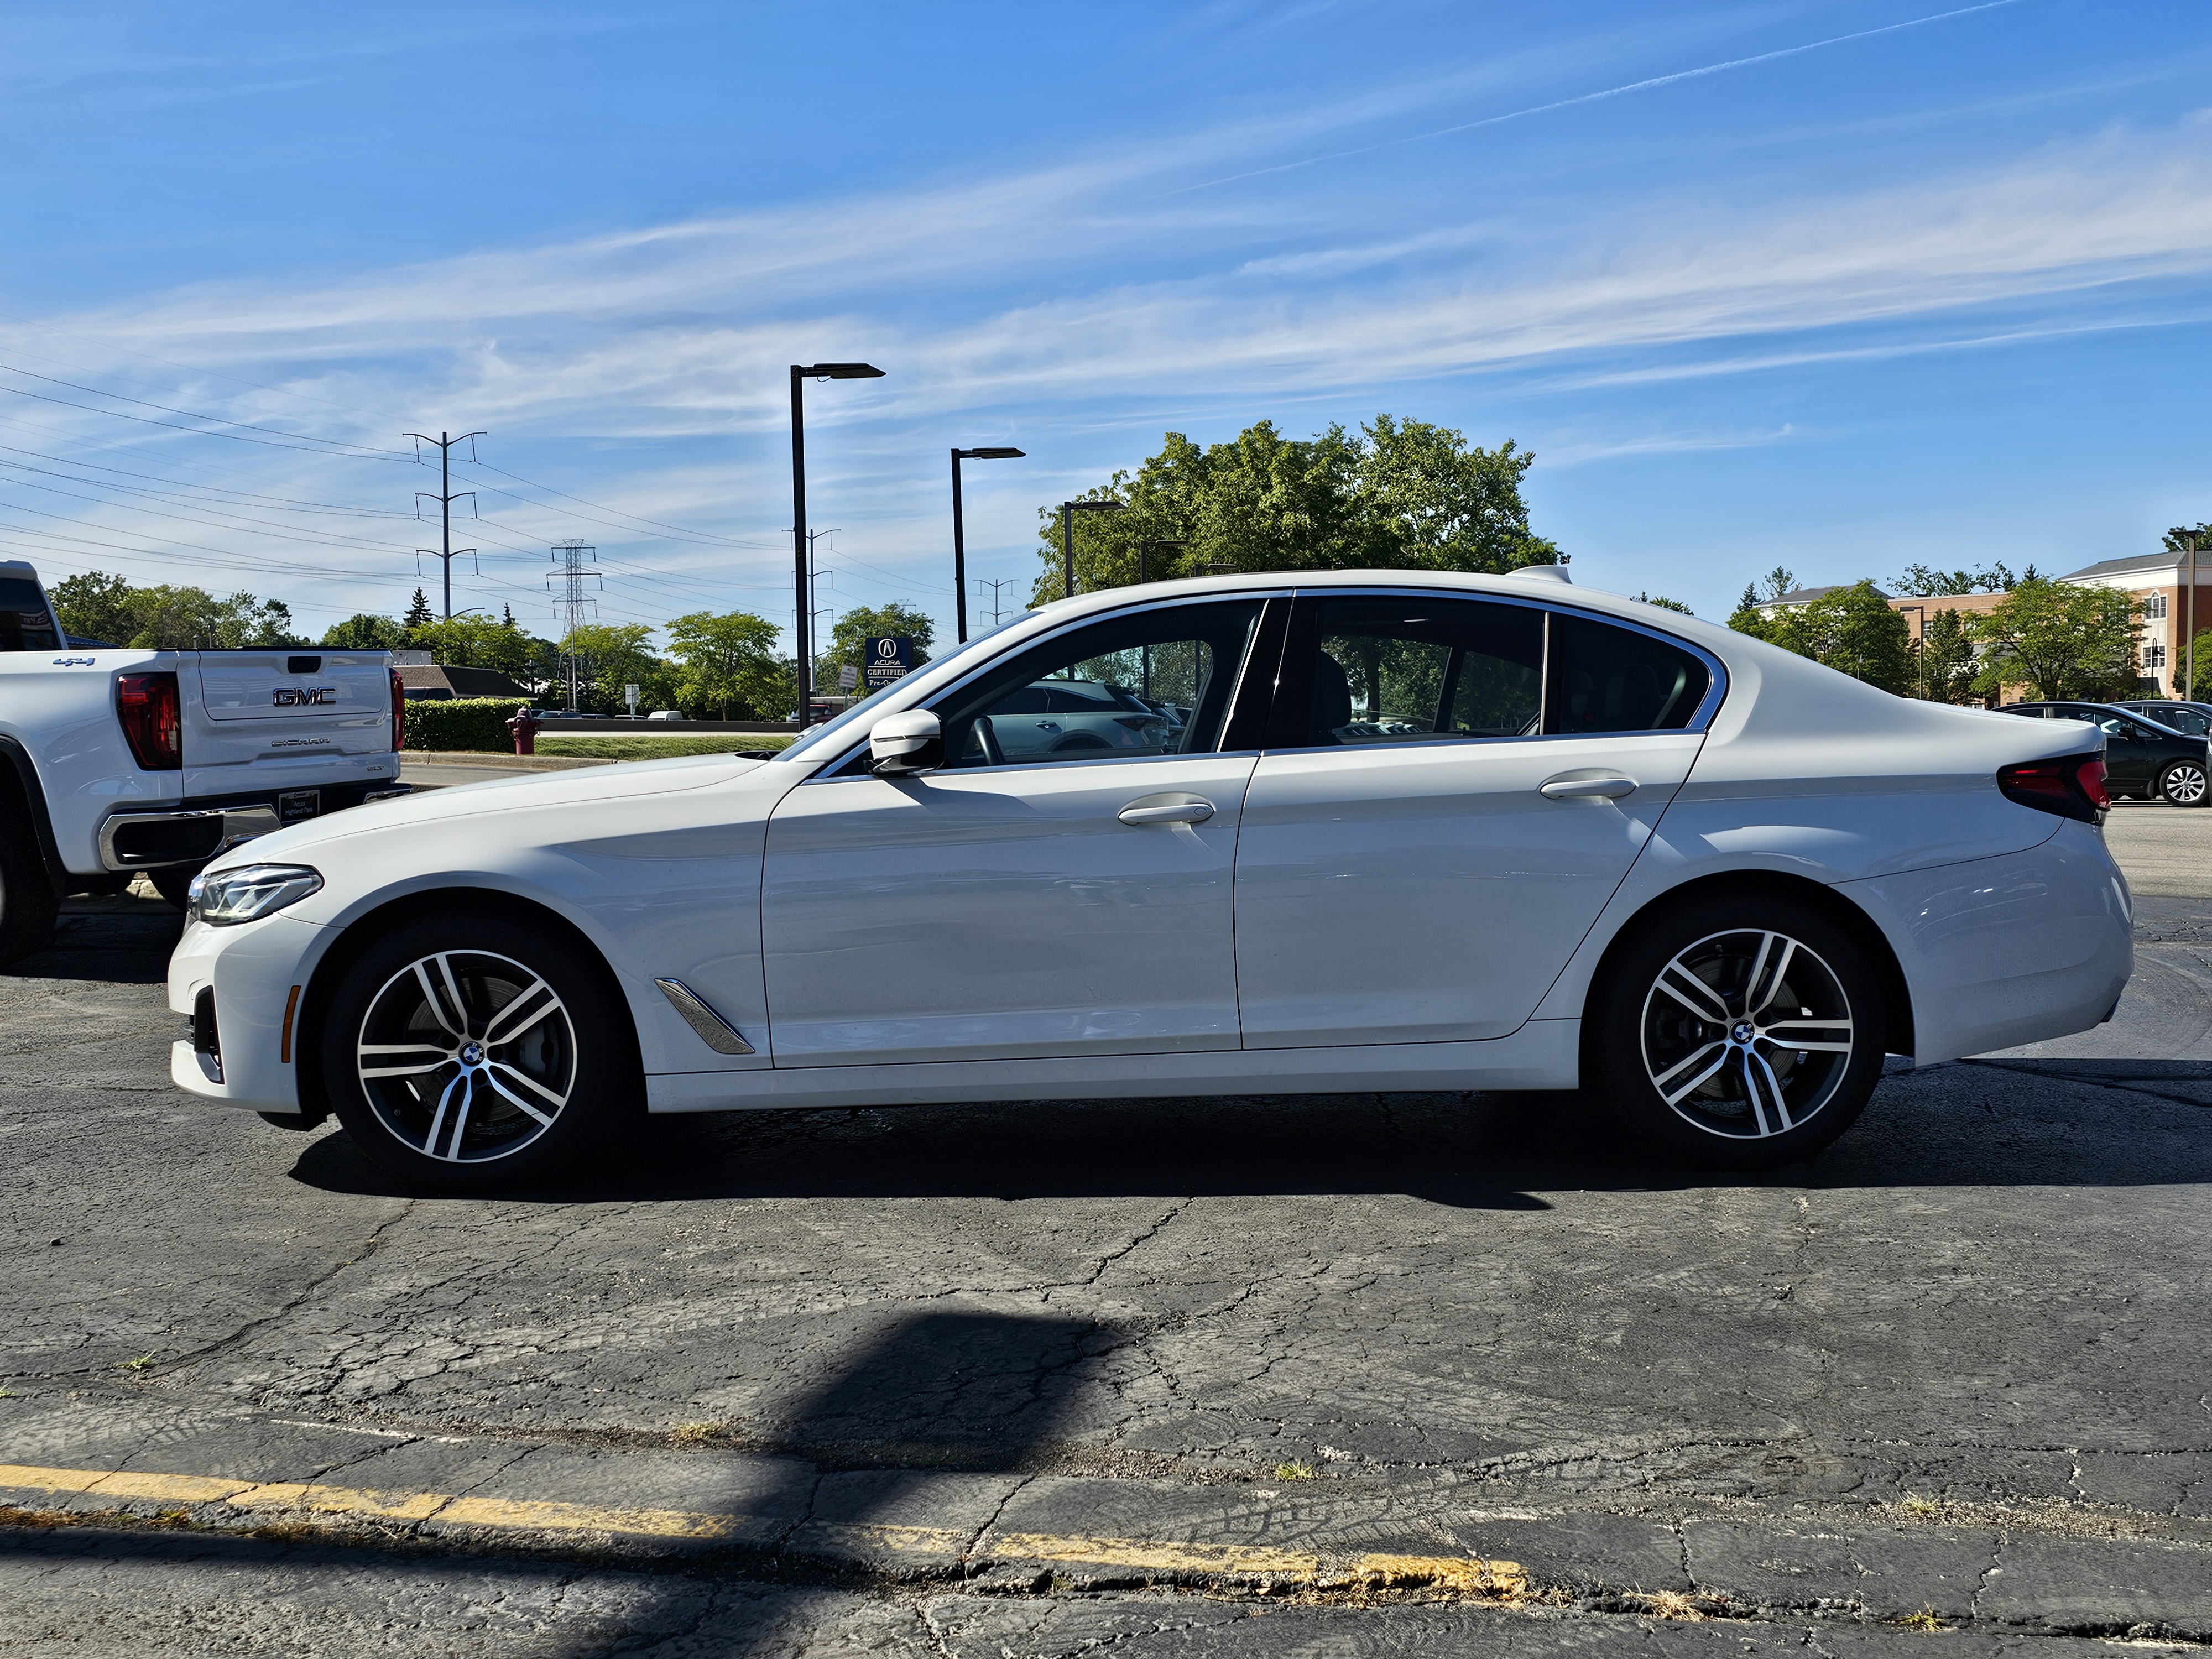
(331,445)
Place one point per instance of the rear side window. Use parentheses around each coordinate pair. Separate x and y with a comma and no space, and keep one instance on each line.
(1604,679)
(1381,671)
(24,623)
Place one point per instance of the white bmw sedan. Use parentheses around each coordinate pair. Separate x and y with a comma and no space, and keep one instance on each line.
(1408,830)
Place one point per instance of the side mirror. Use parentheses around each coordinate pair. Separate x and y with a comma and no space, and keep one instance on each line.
(902,744)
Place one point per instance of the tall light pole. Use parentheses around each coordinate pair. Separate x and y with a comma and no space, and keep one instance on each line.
(801,623)
(959,541)
(1068,512)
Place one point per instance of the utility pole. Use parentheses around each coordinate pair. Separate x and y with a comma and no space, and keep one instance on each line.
(569,555)
(444,498)
(994,583)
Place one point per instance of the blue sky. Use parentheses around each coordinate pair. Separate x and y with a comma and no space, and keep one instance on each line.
(1839,286)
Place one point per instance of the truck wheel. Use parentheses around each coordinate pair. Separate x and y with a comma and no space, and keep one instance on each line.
(29,904)
(468,1052)
(1736,1033)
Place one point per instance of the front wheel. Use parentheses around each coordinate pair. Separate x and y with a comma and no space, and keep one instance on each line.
(472,1052)
(2183,784)
(1737,1033)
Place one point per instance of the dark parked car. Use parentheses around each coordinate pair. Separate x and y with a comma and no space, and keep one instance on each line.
(2193,718)
(2143,758)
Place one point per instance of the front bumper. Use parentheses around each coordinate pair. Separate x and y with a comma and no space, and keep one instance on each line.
(252,977)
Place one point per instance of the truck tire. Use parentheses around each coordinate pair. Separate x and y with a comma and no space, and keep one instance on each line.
(29,904)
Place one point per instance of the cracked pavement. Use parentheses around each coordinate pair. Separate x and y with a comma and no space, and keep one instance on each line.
(1952,1369)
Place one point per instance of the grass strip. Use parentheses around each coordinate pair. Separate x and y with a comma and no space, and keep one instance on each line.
(643,747)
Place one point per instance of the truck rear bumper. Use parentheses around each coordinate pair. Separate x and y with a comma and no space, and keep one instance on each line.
(194,832)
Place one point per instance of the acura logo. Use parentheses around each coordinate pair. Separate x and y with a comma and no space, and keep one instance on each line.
(299,696)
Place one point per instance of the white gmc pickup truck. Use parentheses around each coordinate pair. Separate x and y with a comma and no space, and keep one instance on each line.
(116,760)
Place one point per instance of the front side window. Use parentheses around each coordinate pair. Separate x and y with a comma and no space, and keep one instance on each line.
(24,623)
(1151,683)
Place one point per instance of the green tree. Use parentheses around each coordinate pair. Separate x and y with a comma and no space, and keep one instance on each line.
(185,618)
(2178,538)
(1946,668)
(1664,603)
(95,606)
(418,611)
(1402,494)
(364,632)
(471,640)
(728,662)
(2061,640)
(1852,630)
(611,655)
(1919,582)
(863,622)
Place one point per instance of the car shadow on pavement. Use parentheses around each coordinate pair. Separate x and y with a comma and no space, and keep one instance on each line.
(118,941)
(1962,1126)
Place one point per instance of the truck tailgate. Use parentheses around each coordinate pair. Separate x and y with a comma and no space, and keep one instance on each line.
(319,710)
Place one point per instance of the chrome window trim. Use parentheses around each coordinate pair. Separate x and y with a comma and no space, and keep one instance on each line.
(1701,717)
(824,774)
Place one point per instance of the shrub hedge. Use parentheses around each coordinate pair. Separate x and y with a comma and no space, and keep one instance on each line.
(475,724)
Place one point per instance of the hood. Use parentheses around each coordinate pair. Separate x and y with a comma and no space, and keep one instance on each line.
(581,786)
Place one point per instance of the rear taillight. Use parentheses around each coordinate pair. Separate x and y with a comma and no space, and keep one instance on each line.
(147,706)
(399,712)
(2072,786)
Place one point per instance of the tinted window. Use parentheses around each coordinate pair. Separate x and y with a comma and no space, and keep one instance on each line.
(1155,683)
(1612,679)
(24,623)
(1380,671)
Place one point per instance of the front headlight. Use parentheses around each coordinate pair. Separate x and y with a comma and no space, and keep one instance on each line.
(223,898)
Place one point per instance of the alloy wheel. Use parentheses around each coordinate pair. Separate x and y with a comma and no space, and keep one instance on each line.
(2183,785)
(1746,1034)
(466,1056)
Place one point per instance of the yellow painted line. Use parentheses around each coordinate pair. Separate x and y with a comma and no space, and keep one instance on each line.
(1465,1573)
(1147,1555)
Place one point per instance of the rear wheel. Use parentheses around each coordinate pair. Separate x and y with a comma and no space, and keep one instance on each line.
(1737,1033)
(472,1052)
(2183,784)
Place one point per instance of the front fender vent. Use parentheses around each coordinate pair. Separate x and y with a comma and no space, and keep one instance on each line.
(713,1030)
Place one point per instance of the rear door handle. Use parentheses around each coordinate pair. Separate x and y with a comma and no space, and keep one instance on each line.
(1610,786)
(1166,809)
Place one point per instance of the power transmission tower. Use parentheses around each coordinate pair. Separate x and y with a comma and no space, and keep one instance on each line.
(570,607)
(995,585)
(444,498)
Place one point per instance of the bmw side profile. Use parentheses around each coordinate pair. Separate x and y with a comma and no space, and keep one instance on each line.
(1358,831)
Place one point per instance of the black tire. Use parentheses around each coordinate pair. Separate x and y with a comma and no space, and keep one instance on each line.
(1780,1104)
(2184,784)
(28,902)
(573,1061)
(174,882)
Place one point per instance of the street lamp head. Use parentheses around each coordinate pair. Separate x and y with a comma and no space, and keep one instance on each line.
(1109,505)
(838,372)
(990,454)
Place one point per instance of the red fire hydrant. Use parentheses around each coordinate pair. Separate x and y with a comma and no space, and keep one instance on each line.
(523,724)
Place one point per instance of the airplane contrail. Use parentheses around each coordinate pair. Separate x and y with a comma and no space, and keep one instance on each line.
(1594,97)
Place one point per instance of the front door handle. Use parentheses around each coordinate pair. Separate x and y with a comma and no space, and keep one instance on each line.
(1166,809)
(1607,786)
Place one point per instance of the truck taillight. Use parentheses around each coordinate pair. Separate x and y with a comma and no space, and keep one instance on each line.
(399,712)
(152,720)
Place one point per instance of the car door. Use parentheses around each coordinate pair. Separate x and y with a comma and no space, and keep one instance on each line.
(1451,791)
(1042,894)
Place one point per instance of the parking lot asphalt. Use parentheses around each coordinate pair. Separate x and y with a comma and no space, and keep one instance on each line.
(1378,1372)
